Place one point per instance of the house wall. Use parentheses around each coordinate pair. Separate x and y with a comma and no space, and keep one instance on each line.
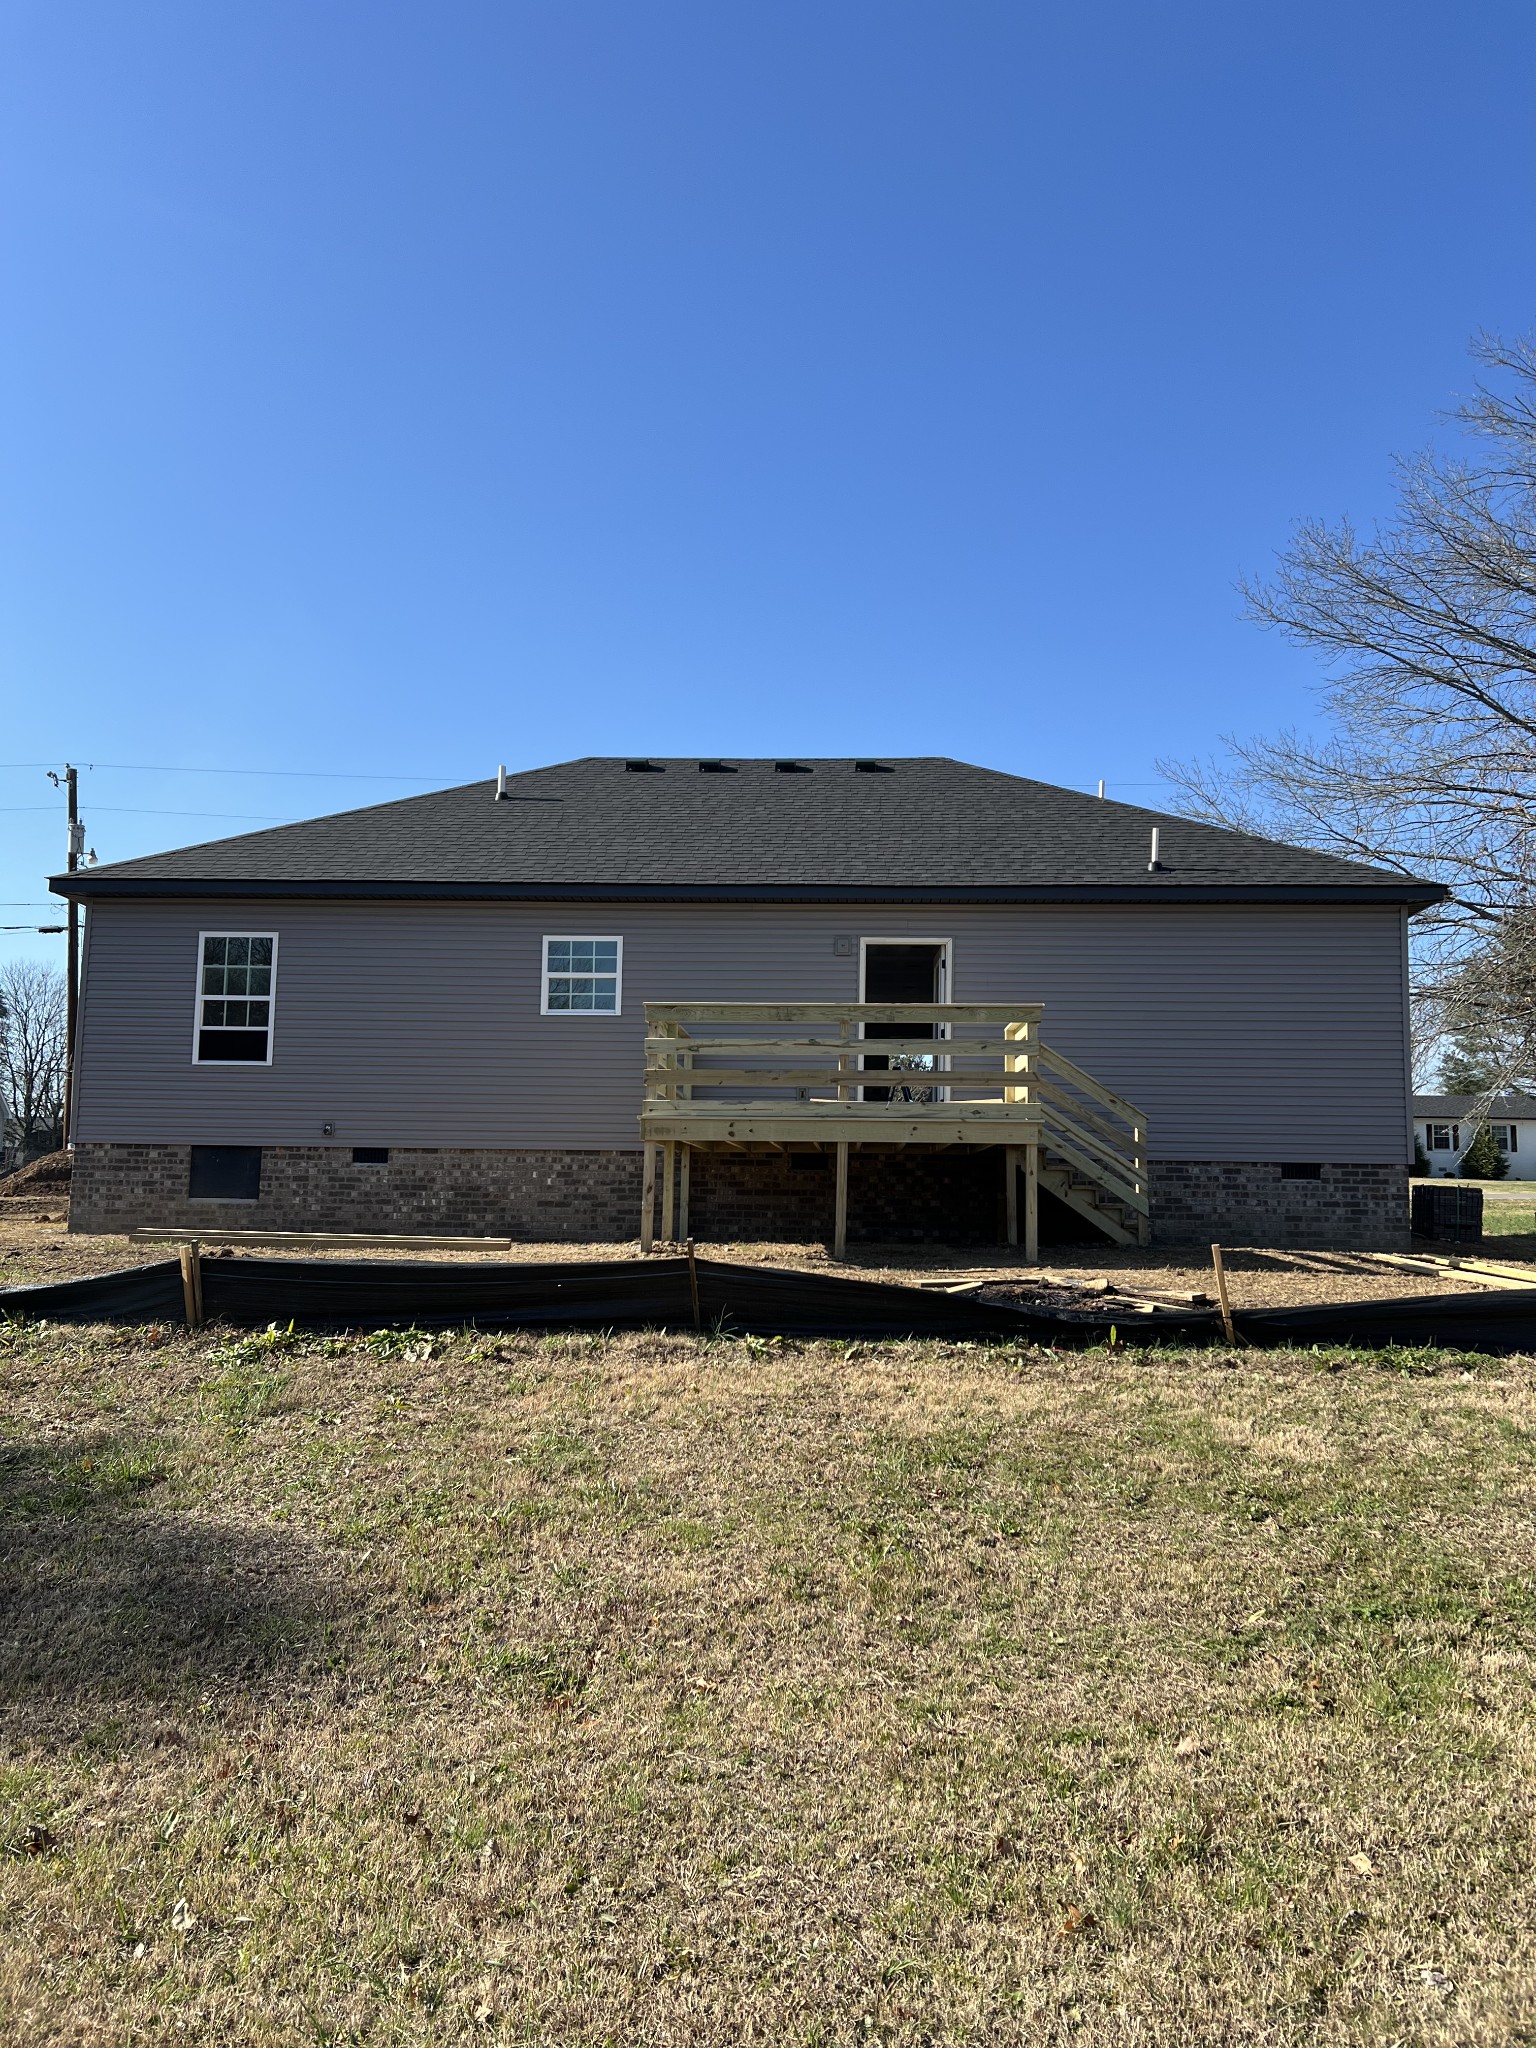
(1248,1035)
(1522,1161)
(1244,1033)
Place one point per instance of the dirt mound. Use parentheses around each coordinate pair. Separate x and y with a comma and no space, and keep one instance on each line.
(46,1176)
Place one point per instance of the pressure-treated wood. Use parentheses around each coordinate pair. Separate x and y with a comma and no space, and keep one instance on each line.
(192,1285)
(321,1240)
(840,1214)
(648,1199)
(770,1076)
(1218,1266)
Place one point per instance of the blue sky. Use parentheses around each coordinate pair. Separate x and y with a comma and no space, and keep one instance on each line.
(393,389)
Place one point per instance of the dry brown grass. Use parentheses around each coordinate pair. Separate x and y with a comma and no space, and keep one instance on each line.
(669,1691)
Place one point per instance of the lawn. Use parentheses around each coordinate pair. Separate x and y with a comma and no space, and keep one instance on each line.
(658,1690)
(1511,1219)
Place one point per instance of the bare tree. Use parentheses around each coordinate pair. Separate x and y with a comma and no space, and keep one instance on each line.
(32,1057)
(1428,630)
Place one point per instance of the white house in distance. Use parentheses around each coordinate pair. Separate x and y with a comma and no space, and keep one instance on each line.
(1445,1126)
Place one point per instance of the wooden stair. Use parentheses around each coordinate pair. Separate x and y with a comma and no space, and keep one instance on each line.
(1093,1151)
(1086,1198)
(740,1077)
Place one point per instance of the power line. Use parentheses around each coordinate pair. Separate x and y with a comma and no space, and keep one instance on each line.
(135,811)
(301,774)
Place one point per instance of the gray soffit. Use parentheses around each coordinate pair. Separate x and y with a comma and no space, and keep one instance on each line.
(926,830)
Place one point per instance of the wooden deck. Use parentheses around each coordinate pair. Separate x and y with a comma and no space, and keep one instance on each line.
(798,1076)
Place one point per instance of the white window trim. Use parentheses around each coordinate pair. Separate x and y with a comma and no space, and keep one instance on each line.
(197,1003)
(582,939)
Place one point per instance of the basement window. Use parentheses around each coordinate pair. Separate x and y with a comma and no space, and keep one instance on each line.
(236,976)
(370,1155)
(225,1173)
(1292,1170)
(582,977)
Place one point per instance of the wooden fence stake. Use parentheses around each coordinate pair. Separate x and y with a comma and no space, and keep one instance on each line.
(693,1286)
(1221,1294)
(192,1285)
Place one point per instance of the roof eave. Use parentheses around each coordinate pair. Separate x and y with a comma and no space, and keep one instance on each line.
(105,887)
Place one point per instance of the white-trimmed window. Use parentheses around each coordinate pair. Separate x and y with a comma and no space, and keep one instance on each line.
(583,977)
(1445,1137)
(236,986)
(1505,1137)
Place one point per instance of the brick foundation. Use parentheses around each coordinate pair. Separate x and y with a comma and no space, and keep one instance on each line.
(893,1197)
(1350,1208)
(583,1196)
(594,1197)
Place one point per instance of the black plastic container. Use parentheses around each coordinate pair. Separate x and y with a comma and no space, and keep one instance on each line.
(1447,1212)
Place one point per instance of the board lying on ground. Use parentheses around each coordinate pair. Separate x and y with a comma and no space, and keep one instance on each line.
(615,1294)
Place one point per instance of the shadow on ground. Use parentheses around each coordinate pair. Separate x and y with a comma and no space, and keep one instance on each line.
(110,1606)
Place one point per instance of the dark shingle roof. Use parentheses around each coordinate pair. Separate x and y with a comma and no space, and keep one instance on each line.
(1506,1106)
(927,829)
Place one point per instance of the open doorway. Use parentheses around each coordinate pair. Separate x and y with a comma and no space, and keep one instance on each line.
(903,971)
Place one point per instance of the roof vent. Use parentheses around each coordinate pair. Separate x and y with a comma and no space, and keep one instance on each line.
(644,768)
(716,768)
(791,768)
(873,768)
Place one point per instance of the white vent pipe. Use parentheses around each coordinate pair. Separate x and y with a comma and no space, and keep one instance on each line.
(501,783)
(1155,863)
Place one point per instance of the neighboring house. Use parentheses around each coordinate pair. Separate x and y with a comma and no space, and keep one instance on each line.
(1445,1126)
(429,1015)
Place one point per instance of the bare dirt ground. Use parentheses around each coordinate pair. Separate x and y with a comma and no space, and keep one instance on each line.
(36,1248)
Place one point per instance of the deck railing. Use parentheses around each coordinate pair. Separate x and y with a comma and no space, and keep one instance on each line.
(742,1075)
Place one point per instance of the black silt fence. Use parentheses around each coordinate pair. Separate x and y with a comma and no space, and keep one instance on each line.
(754,1300)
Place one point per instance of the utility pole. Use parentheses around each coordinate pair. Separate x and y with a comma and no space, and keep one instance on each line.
(71,781)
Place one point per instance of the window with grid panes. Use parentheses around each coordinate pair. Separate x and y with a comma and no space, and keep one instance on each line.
(236,974)
(581,976)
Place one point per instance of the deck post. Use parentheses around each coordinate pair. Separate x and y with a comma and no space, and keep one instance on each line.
(684,1174)
(669,1191)
(1032,1205)
(1011,1184)
(840,1213)
(648,1200)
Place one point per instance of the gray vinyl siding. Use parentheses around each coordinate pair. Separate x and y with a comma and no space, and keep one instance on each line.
(1244,1032)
